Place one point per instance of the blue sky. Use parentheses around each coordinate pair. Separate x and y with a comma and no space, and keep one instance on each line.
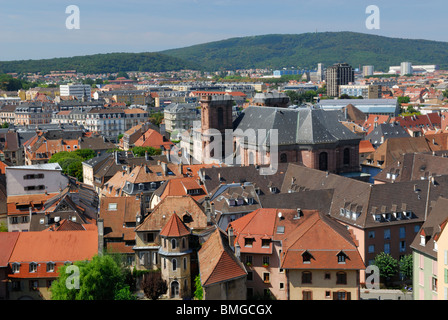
(35,29)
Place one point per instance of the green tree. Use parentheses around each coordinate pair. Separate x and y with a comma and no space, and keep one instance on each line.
(141,151)
(406,266)
(293,96)
(99,279)
(156,118)
(387,265)
(122,74)
(198,292)
(402,100)
(71,162)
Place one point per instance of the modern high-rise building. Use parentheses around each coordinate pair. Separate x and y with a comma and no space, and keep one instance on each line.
(80,91)
(367,71)
(405,68)
(336,75)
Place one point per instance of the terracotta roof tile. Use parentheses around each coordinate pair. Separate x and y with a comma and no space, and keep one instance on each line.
(217,263)
(7,243)
(174,227)
(55,246)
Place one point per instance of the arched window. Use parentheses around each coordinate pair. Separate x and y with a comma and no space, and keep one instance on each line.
(184,245)
(323,161)
(346,156)
(174,289)
(173,244)
(174,264)
(185,263)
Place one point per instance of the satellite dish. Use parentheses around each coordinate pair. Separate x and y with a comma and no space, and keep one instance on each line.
(280,215)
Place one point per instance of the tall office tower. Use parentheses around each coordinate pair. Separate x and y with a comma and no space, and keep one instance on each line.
(338,74)
(367,71)
(405,68)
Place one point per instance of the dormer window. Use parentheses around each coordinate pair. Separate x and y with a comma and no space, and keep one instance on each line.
(306,257)
(16,267)
(50,267)
(422,240)
(33,267)
(265,243)
(341,257)
(248,242)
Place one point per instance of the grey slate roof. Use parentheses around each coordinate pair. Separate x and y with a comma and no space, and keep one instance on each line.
(295,126)
(386,130)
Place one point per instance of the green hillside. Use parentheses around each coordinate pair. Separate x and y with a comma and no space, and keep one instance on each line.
(101,63)
(308,49)
(266,51)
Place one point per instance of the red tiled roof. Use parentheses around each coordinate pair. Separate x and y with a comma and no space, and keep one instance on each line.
(324,239)
(40,246)
(57,247)
(217,263)
(174,227)
(152,138)
(365,146)
(7,243)
(180,187)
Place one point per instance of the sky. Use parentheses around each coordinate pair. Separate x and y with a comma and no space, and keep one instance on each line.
(37,29)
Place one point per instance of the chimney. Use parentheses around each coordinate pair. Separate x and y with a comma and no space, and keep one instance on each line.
(146,156)
(100,224)
(208,210)
(299,214)
(164,168)
(231,238)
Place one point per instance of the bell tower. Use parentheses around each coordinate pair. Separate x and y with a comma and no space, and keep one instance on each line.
(216,117)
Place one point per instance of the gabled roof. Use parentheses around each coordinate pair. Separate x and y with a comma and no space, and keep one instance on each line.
(180,205)
(217,262)
(432,228)
(55,246)
(116,212)
(323,238)
(183,186)
(7,242)
(260,224)
(174,227)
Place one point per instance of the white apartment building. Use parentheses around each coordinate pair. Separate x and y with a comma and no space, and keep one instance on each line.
(80,91)
(107,122)
(180,116)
